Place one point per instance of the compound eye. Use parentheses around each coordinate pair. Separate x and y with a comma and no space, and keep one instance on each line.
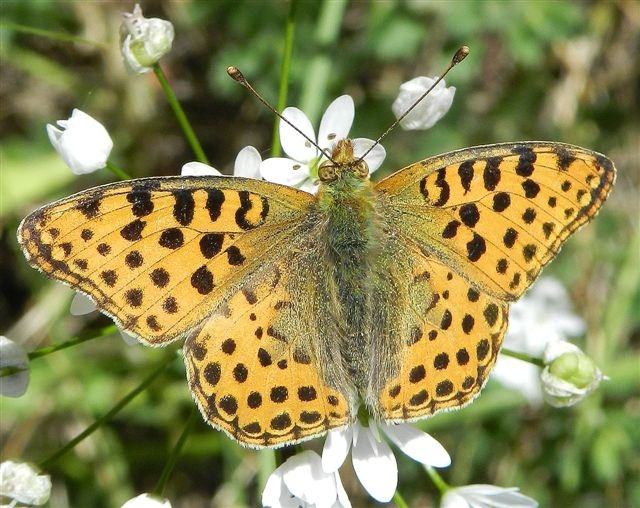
(361,170)
(327,172)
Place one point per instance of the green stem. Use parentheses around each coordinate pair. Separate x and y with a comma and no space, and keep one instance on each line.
(180,115)
(437,480)
(108,415)
(50,34)
(321,69)
(122,175)
(175,453)
(523,356)
(399,500)
(92,334)
(285,71)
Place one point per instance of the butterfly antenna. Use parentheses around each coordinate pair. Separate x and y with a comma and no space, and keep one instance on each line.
(236,75)
(458,57)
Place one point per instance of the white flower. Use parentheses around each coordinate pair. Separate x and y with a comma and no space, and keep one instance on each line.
(486,496)
(301,169)
(144,41)
(247,165)
(22,483)
(430,109)
(541,316)
(81,305)
(13,357)
(301,481)
(84,144)
(146,501)
(569,375)
(373,461)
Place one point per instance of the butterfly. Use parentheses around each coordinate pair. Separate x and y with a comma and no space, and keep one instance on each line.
(300,310)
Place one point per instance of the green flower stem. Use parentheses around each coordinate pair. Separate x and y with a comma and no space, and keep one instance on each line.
(175,453)
(523,356)
(437,480)
(50,34)
(285,71)
(92,334)
(122,175)
(266,466)
(180,115)
(320,69)
(399,500)
(109,414)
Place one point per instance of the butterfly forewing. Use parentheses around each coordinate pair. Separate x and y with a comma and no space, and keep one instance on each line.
(497,214)
(158,254)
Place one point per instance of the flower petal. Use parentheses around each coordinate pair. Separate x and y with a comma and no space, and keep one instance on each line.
(81,305)
(417,444)
(293,143)
(429,110)
(305,479)
(129,340)
(375,465)
(336,121)
(13,355)
(336,448)
(275,493)
(21,482)
(84,144)
(199,169)
(284,171)
(486,496)
(147,501)
(247,163)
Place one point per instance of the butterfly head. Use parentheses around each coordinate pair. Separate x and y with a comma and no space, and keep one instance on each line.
(343,162)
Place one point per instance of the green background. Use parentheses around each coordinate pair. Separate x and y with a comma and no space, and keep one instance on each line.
(538,70)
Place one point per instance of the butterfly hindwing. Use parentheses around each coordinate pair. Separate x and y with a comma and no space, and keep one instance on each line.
(255,367)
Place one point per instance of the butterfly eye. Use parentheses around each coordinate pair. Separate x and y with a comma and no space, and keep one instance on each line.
(327,172)
(361,170)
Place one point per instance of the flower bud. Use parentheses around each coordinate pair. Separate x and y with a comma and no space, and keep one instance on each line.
(144,41)
(429,110)
(83,142)
(22,483)
(569,375)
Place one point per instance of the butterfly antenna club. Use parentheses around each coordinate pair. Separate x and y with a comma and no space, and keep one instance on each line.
(458,57)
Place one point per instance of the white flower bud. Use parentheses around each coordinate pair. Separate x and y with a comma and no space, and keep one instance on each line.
(429,110)
(144,41)
(83,142)
(569,375)
(21,482)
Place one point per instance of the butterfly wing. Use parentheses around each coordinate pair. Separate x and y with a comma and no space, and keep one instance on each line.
(478,224)
(226,260)
(158,254)
(259,366)
(499,213)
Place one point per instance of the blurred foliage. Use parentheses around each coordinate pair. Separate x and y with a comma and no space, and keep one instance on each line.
(566,71)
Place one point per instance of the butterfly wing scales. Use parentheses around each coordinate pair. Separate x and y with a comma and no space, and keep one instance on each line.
(479,225)
(254,369)
(499,213)
(157,254)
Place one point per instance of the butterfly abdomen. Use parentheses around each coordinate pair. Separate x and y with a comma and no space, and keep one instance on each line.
(353,239)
